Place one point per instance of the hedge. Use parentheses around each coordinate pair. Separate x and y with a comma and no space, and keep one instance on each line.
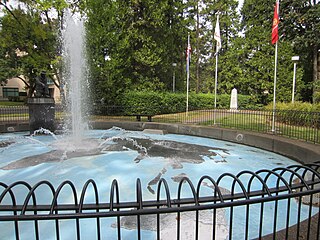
(296,106)
(166,102)
(298,113)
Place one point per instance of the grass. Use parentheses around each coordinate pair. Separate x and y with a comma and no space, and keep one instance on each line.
(262,123)
(300,132)
(246,120)
(10,103)
(253,122)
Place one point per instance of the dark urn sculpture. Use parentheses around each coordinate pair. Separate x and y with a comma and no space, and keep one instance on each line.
(41,106)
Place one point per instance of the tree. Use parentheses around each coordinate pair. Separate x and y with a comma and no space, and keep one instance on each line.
(229,28)
(301,26)
(132,45)
(29,40)
(258,54)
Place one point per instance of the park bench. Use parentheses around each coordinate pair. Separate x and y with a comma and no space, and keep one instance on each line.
(138,117)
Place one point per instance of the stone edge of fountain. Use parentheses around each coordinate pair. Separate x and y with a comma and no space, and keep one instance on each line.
(300,151)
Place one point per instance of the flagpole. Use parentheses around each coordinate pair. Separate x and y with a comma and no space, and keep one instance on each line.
(274,88)
(274,39)
(215,88)
(218,46)
(188,75)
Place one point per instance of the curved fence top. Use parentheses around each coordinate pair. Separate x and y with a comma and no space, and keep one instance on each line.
(293,181)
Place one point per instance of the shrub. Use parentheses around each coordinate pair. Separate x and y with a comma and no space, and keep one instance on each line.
(166,102)
(296,106)
(298,113)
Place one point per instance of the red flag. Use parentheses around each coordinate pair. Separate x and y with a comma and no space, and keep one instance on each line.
(275,35)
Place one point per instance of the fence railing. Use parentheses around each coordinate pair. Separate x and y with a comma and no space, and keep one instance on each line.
(20,114)
(282,203)
(13,114)
(292,124)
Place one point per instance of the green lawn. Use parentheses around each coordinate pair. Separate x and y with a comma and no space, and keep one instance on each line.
(10,103)
(262,123)
(254,122)
(246,120)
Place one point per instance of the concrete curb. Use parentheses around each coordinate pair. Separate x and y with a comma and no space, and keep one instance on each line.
(300,151)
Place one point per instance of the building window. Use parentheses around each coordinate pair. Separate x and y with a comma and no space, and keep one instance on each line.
(10,92)
(51,92)
(49,81)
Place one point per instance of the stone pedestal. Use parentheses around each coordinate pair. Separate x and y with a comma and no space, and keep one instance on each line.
(41,113)
(234,100)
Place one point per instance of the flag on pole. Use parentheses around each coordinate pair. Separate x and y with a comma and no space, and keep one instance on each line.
(274,40)
(217,36)
(188,53)
(188,74)
(275,23)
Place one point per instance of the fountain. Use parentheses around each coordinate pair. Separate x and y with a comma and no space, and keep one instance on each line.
(76,74)
(125,155)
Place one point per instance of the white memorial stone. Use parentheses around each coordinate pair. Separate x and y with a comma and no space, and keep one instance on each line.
(234,99)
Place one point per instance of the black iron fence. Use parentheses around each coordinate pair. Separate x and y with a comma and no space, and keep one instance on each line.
(20,114)
(293,124)
(282,203)
(13,114)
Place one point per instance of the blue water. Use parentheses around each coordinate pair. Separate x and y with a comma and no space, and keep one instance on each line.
(120,165)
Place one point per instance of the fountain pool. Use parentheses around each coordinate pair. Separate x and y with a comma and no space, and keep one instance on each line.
(126,156)
(105,155)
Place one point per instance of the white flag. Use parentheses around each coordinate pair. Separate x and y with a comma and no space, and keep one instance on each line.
(217,36)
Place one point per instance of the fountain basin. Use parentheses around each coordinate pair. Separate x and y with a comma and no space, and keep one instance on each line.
(108,163)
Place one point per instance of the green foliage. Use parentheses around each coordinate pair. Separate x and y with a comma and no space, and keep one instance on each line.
(143,38)
(258,56)
(28,42)
(167,102)
(298,113)
(143,102)
(133,45)
(11,103)
(296,106)
(301,27)
(316,97)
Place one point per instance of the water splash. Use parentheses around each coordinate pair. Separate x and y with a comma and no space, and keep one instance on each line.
(44,131)
(125,138)
(33,140)
(122,135)
(76,73)
(114,128)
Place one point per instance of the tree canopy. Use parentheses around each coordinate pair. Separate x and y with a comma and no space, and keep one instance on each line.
(29,38)
(132,45)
